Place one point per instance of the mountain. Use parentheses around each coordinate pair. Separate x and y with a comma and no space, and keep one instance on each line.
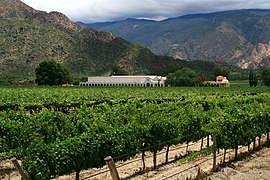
(29,36)
(239,37)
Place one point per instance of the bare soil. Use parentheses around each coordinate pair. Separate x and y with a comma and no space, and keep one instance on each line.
(256,166)
(252,166)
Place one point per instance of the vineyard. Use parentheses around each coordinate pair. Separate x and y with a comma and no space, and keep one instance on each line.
(57,130)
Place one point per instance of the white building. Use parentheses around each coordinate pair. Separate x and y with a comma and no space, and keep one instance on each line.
(144,81)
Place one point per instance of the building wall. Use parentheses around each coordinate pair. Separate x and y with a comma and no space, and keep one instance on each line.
(153,81)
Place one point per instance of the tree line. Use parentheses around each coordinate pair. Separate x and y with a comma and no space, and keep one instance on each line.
(255,76)
(53,73)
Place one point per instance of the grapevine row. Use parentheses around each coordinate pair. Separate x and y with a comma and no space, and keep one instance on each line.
(67,99)
(53,143)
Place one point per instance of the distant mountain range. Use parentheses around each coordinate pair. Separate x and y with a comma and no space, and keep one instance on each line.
(29,36)
(239,37)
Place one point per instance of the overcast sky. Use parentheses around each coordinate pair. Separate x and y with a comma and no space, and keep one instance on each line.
(111,10)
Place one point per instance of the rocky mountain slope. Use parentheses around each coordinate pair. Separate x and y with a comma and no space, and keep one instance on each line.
(29,36)
(238,37)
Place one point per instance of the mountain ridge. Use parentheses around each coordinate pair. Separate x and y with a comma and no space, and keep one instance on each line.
(234,37)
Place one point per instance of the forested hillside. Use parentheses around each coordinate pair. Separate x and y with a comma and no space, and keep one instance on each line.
(29,36)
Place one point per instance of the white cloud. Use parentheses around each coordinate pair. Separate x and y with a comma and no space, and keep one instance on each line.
(110,10)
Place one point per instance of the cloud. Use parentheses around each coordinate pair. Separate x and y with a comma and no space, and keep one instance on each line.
(111,10)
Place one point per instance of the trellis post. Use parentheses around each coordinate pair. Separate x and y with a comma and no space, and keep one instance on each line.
(20,169)
(112,168)
(214,153)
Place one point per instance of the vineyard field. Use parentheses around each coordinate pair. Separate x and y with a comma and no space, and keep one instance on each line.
(60,130)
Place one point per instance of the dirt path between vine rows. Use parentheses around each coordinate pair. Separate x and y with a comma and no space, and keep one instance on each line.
(255,166)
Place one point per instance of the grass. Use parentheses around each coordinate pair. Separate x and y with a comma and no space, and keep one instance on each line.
(243,83)
(239,83)
(262,166)
(194,155)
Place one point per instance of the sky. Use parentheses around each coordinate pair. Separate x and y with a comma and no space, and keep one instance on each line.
(90,11)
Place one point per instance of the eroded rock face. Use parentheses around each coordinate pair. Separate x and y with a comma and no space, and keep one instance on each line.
(60,18)
(259,56)
(225,44)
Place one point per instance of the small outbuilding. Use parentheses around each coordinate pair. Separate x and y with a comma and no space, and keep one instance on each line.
(221,81)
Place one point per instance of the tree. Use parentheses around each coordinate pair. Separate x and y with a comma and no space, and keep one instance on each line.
(164,71)
(52,73)
(219,71)
(266,76)
(253,79)
(117,70)
(184,77)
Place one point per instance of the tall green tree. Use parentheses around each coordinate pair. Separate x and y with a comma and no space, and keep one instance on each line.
(52,73)
(266,77)
(253,79)
(117,70)
(184,77)
(220,71)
